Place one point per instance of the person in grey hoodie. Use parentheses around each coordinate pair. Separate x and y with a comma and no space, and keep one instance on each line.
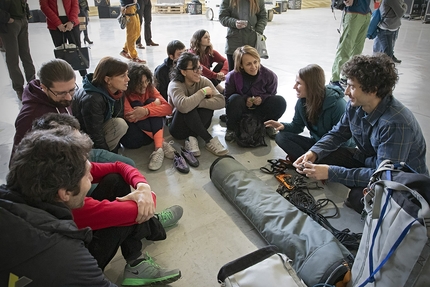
(391,13)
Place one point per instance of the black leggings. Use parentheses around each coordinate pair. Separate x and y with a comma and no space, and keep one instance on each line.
(194,123)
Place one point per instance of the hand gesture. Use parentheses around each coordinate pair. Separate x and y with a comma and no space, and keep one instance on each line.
(209,91)
(274,124)
(143,198)
(348,2)
(157,102)
(315,171)
(11,20)
(257,100)
(136,114)
(62,28)
(249,102)
(220,76)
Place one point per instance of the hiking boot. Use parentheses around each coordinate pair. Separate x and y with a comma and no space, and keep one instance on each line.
(180,163)
(140,46)
(125,54)
(215,147)
(156,159)
(271,132)
(192,145)
(336,84)
(147,272)
(169,150)
(229,136)
(170,216)
(395,60)
(189,158)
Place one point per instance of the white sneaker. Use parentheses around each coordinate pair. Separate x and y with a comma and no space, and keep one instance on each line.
(169,150)
(156,159)
(215,147)
(192,145)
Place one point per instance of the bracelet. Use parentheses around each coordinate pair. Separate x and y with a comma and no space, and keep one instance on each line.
(204,91)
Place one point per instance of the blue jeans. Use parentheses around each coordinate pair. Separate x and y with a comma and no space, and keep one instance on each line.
(384,42)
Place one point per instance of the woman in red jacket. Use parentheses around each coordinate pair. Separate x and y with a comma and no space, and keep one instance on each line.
(63,22)
(201,46)
(144,112)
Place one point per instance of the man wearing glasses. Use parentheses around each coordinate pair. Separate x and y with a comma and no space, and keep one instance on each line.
(53,93)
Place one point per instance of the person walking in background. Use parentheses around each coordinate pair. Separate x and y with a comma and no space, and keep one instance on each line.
(145,16)
(144,112)
(132,30)
(99,106)
(83,6)
(251,88)
(201,45)
(242,18)
(14,35)
(391,12)
(63,22)
(162,78)
(194,99)
(318,108)
(355,23)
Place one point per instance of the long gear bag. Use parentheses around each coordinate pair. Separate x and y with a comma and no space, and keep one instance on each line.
(317,256)
(395,246)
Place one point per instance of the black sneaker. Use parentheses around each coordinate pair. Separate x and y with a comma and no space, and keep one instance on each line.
(395,60)
(229,136)
(223,118)
(337,84)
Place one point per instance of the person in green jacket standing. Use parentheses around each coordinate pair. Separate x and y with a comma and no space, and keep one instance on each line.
(318,108)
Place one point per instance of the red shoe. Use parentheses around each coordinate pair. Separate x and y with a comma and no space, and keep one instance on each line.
(139,61)
(125,55)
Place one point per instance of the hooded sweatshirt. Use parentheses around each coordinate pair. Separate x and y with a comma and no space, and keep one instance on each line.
(35,103)
(41,242)
(93,106)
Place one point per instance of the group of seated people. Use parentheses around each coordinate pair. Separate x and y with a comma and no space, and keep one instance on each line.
(124,104)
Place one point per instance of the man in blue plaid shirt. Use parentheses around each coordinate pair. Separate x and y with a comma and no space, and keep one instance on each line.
(381,126)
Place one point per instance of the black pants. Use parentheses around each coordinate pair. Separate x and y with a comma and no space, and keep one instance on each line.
(106,242)
(216,69)
(71,37)
(194,123)
(271,109)
(145,17)
(230,60)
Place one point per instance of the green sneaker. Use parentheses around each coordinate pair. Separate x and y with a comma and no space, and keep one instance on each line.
(170,216)
(148,272)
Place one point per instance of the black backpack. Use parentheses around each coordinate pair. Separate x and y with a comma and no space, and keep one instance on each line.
(251,131)
(337,4)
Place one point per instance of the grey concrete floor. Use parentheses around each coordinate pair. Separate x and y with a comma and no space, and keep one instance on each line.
(212,232)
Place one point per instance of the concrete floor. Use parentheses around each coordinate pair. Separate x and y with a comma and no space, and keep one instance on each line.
(212,232)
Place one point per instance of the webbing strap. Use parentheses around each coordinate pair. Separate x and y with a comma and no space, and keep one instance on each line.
(419,265)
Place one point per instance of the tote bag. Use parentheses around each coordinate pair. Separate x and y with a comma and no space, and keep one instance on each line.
(77,57)
(260,46)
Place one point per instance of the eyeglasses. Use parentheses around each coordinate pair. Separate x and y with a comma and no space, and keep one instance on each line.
(196,70)
(64,94)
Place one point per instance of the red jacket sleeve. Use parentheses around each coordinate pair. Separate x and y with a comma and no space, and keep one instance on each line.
(103,214)
(130,174)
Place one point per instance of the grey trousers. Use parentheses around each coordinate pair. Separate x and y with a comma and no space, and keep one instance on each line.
(15,41)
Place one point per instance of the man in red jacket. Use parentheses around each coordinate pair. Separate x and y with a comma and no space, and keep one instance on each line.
(118,217)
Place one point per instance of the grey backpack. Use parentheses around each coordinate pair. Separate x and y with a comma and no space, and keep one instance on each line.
(395,247)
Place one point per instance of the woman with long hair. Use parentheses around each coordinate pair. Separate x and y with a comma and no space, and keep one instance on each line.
(318,108)
(99,106)
(201,45)
(144,112)
(242,18)
(194,99)
(251,88)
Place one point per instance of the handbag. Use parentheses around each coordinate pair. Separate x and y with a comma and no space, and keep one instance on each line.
(77,57)
(260,46)
(261,268)
(122,20)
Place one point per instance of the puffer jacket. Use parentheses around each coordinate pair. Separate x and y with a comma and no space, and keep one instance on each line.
(41,242)
(93,106)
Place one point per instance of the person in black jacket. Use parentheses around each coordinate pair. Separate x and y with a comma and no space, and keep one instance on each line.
(99,106)
(49,176)
(14,33)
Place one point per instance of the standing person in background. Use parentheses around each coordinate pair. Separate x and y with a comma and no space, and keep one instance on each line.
(318,108)
(144,112)
(201,45)
(99,106)
(251,88)
(63,22)
(242,18)
(355,23)
(162,78)
(392,12)
(83,6)
(145,16)
(132,30)
(14,35)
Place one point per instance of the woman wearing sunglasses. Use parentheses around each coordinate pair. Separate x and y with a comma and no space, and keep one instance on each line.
(194,99)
